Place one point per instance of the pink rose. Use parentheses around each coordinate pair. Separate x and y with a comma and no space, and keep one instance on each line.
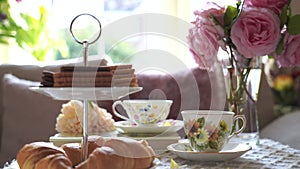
(256,32)
(290,55)
(205,38)
(274,5)
(214,9)
(204,45)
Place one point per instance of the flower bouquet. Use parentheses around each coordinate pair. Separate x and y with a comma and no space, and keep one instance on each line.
(245,33)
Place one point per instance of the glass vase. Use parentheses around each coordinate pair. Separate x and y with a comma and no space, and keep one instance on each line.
(242,80)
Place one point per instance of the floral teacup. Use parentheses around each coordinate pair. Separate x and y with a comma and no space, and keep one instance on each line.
(144,112)
(210,130)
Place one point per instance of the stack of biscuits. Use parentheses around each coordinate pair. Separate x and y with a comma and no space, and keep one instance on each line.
(81,76)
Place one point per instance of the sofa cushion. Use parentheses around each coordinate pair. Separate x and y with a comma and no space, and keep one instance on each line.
(27,117)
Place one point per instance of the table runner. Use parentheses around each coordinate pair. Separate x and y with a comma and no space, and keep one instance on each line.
(269,154)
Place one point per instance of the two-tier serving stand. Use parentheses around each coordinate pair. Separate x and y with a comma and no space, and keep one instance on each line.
(86,93)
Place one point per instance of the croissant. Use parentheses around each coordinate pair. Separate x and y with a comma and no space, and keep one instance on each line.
(119,153)
(31,154)
(54,161)
(106,158)
(73,150)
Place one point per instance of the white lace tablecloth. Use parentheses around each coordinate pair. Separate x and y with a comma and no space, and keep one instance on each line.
(268,155)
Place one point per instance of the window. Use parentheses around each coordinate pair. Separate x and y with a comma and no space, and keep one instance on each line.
(152,49)
(144,49)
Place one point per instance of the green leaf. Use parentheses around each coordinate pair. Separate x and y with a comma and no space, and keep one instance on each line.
(22,37)
(213,145)
(201,122)
(283,17)
(40,54)
(91,104)
(293,26)
(4,41)
(6,35)
(31,21)
(43,16)
(230,14)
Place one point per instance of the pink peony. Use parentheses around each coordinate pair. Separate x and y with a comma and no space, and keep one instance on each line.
(256,32)
(206,37)
(290,55)
(275,5)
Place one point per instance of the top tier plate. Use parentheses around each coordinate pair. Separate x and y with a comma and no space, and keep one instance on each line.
(84,93)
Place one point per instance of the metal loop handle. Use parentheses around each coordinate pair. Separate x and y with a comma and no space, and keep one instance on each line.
(84,41)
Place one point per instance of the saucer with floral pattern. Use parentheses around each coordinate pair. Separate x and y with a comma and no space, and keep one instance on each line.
(230,151)
(167,126)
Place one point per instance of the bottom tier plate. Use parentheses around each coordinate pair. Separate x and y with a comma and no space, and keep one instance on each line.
(158,142)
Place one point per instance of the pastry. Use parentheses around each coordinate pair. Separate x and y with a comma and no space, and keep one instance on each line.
(31,154)
(140,151)
(54,161)
(106,158)
(114,153)
(69,121)
(73,150)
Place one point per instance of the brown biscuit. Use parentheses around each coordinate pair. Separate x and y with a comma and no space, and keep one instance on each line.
(132,83)
(93,69)
(95,79)
(47,78)
(47,84)
(88,74)
(47,73)
(89,81)
(84,69)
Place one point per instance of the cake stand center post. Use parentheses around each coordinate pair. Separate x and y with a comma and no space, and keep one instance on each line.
(84,148)
(85,52)
(85,43)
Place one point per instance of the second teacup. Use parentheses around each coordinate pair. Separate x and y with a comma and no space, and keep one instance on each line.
(144,112)
(208,130)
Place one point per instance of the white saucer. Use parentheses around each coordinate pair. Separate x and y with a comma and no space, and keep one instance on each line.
(161,127)
(229,152)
